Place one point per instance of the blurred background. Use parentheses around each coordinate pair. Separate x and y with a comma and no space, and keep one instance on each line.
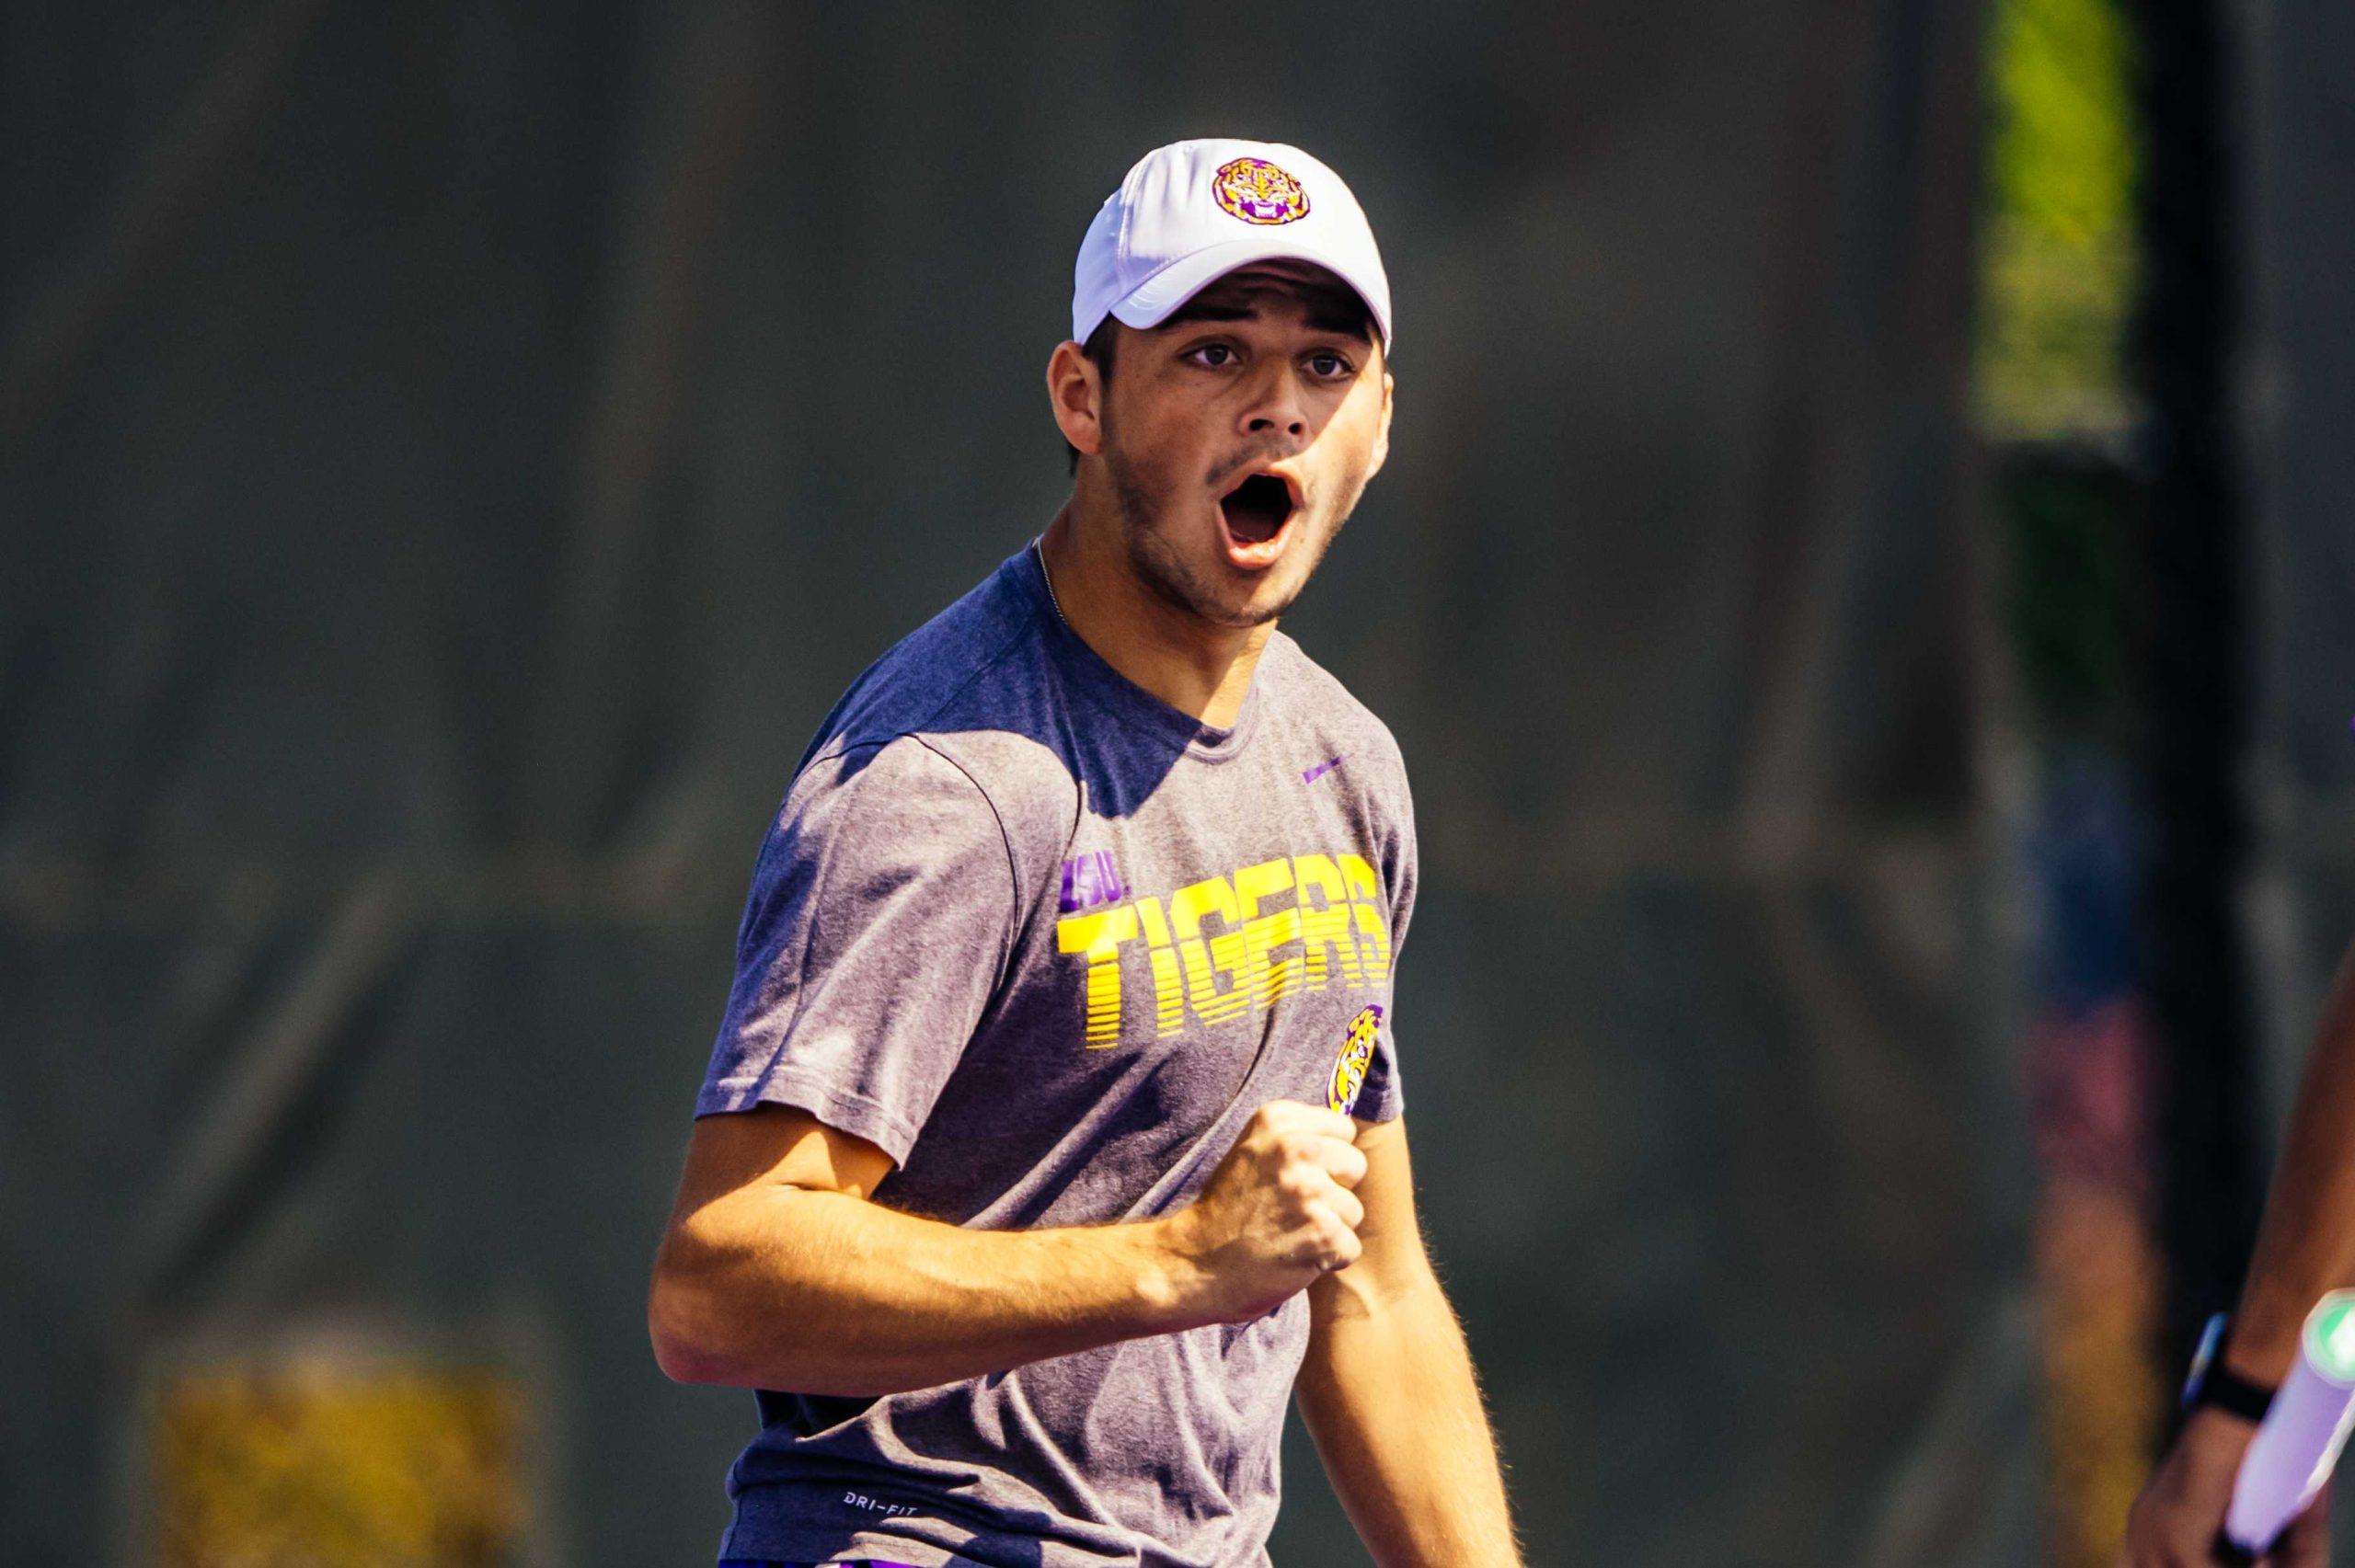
(1860,583)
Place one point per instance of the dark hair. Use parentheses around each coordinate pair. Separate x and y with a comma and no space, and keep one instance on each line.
(1098,348)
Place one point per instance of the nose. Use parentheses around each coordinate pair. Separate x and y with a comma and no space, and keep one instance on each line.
(1274,406)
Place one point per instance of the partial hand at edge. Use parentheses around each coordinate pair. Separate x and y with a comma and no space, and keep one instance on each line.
(2174,1523)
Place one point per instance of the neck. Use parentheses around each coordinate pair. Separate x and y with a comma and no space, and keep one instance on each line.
(1196,666)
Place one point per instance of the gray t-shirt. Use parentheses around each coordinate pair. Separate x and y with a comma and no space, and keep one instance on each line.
(1050,943)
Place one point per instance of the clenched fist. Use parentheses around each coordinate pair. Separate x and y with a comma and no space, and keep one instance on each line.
(1277,1212)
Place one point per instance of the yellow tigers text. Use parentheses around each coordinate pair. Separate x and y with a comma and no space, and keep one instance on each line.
(1333,927)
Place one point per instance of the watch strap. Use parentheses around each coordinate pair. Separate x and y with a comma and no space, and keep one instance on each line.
(2211,1383)
(2224,1388)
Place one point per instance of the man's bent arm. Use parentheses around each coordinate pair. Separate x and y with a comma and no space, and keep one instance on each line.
(1388,1392)
(2305,1246)
(2305,1243)
(763,1281)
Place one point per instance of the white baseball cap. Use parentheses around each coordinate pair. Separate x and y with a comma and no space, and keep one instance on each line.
(1195,210)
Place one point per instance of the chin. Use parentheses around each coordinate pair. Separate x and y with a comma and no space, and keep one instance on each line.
(1262,601)
(1244,617)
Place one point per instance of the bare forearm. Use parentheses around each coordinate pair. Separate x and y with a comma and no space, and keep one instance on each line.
(822,1292)
(2305,1244)
(1389,1395)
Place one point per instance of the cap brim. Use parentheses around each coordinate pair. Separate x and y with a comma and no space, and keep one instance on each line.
(1152,301)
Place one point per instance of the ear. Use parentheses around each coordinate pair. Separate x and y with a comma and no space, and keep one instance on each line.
(1382,435)
(1076,395)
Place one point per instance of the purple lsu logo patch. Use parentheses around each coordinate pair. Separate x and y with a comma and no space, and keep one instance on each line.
(1348,1068)
(1258,192)
(1088,880)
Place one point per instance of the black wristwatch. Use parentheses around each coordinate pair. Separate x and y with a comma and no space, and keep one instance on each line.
(2212,1383)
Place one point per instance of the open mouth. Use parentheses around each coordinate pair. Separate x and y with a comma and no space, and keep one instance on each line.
(1256,511)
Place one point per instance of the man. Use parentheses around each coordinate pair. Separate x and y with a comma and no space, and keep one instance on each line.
(2305,1248)
(1053,1136)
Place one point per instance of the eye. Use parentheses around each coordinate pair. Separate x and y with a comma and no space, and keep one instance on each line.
(1212,349)
(1329,365)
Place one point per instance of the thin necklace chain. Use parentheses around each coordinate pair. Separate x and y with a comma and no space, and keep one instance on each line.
(1041,553)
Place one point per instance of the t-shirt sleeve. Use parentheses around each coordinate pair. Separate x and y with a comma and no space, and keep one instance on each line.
(881,918)
(1384,1095)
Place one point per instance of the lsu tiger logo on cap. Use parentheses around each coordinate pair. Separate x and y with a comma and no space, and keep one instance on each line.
(1258,192)
(1357,1050)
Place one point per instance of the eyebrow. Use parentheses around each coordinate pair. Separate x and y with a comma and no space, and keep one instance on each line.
(1324,315)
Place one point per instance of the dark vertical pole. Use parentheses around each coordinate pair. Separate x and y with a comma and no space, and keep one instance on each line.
(2197,668)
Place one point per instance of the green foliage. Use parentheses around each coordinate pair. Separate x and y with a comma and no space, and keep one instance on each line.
(2059,250)
(2066,603)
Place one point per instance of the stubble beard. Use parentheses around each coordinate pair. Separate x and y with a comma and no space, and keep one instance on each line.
(1162,566)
